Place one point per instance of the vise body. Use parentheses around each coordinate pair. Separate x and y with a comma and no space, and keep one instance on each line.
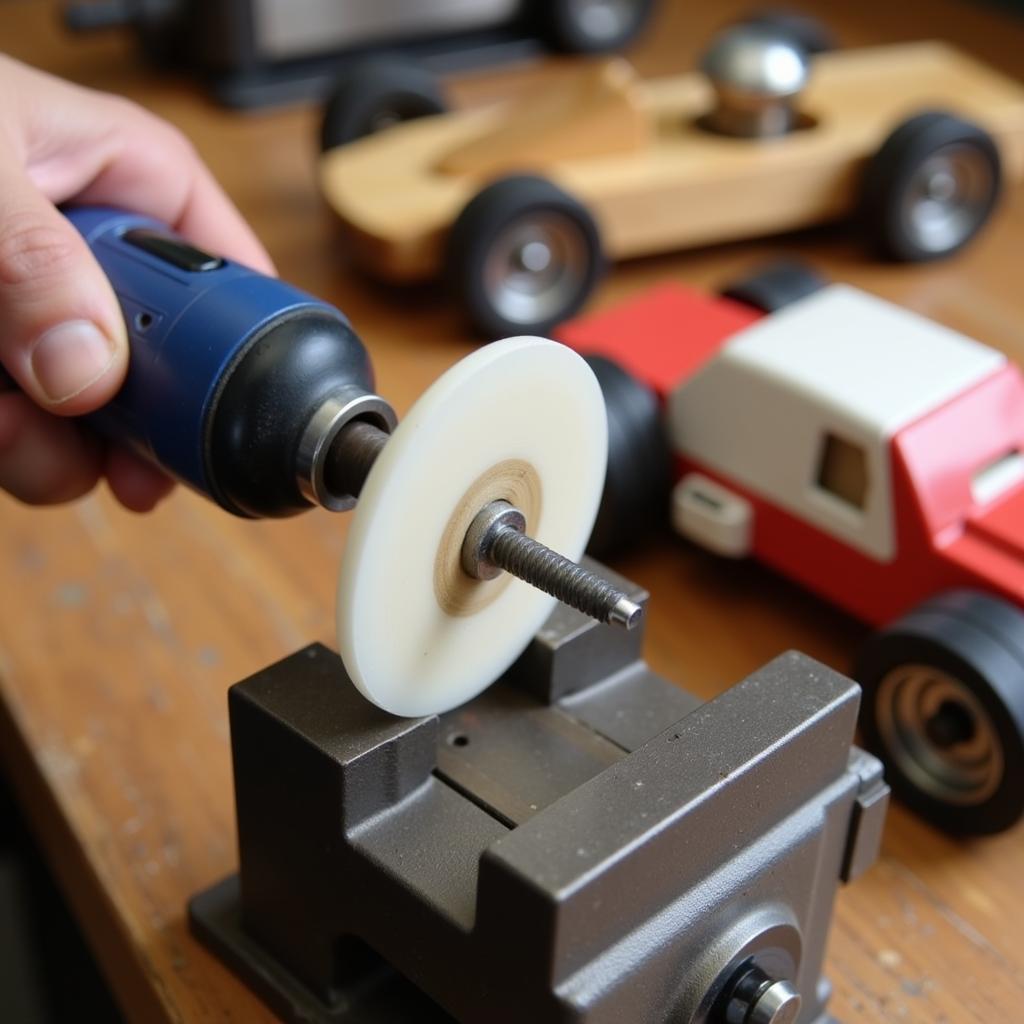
(584,843)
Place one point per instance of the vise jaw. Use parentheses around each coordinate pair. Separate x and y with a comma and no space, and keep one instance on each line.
(585,843)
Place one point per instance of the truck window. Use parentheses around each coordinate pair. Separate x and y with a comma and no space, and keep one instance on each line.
(843,470)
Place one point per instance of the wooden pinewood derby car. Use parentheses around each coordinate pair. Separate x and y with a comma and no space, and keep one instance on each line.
(520,205)
(897,495)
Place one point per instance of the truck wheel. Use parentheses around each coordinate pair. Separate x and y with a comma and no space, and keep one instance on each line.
(776,285)
(809,33)
(636,487)
(591,26)
(930,188)
(375,95)
(944,709)
(522,256)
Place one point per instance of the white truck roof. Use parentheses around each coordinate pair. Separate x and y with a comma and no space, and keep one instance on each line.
(839,362)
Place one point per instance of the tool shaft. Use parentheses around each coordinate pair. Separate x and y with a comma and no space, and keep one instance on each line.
(352,456)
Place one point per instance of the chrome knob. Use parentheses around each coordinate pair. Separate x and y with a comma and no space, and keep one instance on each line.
(757,76)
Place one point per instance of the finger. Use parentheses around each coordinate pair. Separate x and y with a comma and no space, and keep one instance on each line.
(137,484)
(92,147)
(178,190)
(44,460)
(62,336)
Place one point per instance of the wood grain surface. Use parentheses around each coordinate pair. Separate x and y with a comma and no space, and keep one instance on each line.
(119,634)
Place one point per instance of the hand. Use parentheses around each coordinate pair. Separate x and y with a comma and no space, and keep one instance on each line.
(62,335)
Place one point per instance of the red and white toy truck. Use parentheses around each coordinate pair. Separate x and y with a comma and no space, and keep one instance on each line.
(874,456)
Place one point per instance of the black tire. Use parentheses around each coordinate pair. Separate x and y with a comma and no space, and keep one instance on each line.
(776,285)
(944,709)
(809,33)
(596,26)
(636,488)
(900,212)
(375,95)
(487,257)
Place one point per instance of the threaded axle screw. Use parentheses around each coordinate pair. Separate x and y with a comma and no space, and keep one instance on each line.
(496,541)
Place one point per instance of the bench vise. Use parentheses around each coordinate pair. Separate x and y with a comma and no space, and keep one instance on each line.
(584,843)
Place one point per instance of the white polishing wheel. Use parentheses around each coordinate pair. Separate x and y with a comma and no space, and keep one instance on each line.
(521,420)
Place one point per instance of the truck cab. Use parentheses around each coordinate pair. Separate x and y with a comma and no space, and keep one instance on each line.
(844,438)
(877,458)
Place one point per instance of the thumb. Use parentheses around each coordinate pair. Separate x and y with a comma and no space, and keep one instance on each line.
(62,336)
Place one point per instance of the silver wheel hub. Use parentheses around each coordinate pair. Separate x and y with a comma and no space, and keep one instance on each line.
(939,734)
(948,197)
(604,19)
(534,257)
(941,186)
(536,267)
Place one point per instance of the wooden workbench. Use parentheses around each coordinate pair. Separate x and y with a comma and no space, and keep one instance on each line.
(119,634)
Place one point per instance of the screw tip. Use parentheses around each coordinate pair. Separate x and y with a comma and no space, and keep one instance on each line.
(626,613)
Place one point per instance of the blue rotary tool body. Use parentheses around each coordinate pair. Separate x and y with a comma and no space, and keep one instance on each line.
(238,384)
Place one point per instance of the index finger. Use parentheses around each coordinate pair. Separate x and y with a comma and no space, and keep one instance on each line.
(83,145)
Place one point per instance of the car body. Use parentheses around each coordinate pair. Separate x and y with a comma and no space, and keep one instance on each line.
(877,458)
(910,480)
(640,158)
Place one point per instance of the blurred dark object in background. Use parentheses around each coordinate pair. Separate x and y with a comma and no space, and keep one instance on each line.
(257,52)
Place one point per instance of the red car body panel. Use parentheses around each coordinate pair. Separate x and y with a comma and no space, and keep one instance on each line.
(981,543)
(662,337)
(872,590)
(944,537)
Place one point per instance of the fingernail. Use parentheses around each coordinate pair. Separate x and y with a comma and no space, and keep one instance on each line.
(69,357)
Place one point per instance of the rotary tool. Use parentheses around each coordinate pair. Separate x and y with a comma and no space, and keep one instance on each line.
(261,398)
